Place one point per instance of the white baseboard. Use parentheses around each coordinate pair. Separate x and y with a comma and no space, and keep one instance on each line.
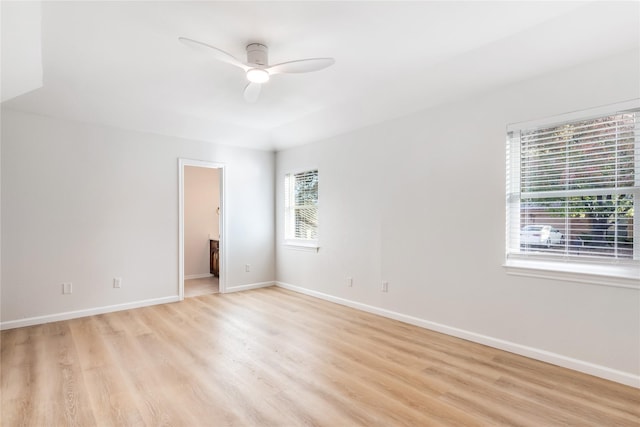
(239,288)
(30,321)
(38,320)
(198,276)
(531,352)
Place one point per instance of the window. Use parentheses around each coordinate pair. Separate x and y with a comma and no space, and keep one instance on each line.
(573,189)
(301,208)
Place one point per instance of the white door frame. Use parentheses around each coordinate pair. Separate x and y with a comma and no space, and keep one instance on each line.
(223,224)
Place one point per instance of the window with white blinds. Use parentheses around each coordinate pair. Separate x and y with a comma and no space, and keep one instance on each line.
(301,207)
(573,189)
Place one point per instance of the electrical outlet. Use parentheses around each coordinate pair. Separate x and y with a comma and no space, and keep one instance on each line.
(117,282)
(67,288)
(349,281)
(385,286)
(247,268)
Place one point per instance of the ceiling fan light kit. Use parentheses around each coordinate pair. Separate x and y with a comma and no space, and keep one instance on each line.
(257,67)
(257,75)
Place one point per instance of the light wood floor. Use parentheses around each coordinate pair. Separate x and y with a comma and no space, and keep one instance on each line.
(271,357)
(202,286)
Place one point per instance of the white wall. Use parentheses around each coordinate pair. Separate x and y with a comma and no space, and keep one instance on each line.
(21,48)
(201,219)
(420,202)
(83,204)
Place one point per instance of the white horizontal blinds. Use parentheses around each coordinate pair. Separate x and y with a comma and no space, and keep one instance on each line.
(302,202)
(596,153)
(581,179)
(513,191)
(289,216)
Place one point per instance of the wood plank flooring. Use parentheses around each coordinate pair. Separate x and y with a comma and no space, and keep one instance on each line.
(202,286)
(271,357)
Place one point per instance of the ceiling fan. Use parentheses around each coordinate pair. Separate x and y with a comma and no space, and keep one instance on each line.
(257,67)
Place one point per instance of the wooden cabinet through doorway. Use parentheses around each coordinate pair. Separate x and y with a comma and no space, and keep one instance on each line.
(214,257)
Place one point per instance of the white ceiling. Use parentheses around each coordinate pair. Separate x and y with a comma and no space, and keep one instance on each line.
(120,63)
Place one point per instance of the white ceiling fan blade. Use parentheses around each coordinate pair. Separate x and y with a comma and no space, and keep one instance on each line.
(301,66)
(218,54)
(251,92)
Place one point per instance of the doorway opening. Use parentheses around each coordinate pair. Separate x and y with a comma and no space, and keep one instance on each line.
(201,228)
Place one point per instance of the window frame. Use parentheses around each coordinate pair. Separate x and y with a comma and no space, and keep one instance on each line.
(619,272)
(289,195)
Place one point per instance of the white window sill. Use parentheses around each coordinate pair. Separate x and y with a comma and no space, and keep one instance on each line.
(301,245)
(618,275)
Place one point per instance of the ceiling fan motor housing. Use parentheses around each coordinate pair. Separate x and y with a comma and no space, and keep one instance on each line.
(257,54)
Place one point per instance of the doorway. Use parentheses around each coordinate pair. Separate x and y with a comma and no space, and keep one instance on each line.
(201,228)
